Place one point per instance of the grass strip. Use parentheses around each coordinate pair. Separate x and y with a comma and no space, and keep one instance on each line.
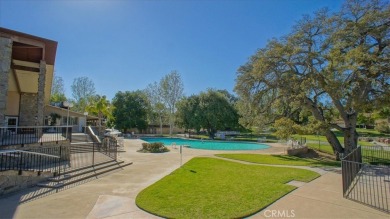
(215,188)
(280,160)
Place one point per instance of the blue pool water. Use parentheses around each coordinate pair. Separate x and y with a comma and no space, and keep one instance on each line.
(209,145)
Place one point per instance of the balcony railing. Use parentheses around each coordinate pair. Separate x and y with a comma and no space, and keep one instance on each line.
(34,134)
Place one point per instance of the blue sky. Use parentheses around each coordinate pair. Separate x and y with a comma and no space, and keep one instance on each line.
(125,45)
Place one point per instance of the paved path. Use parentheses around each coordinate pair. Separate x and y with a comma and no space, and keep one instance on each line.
(113,196)
(321,198)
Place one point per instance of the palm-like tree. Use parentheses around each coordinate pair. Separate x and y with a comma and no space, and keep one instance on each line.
(100,107)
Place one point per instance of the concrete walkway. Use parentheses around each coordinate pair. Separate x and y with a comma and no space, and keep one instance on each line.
(113,196)
(321,198)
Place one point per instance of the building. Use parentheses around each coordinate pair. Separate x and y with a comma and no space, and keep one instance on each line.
(57,116)
(26,74)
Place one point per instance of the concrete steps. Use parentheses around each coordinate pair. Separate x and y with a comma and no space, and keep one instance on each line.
(82,147)
(80,137)
(77,175)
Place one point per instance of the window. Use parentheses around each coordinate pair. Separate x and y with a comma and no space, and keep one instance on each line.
(72,120)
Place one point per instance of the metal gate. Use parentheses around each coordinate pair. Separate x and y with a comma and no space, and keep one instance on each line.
(91,154)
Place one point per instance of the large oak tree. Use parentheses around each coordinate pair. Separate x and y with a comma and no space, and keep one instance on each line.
(333,65)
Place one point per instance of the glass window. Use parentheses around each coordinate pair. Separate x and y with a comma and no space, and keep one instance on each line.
(64,120)
(74,120)
(12,121)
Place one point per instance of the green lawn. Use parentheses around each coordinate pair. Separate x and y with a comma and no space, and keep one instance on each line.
(214,188)
(323,139)
(325,147)
(371,133)
(279,159)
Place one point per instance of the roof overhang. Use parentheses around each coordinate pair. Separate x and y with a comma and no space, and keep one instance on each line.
(62,111)
(30,48)
(27,53)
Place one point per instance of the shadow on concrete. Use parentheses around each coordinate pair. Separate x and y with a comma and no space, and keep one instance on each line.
(9,203)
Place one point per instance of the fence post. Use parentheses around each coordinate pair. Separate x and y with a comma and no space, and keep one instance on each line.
(93,154)
(116,150)
(20,163)
(59,161)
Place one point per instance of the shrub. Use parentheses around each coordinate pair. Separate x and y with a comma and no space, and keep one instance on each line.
(382,127)
(284,128)
(156,147)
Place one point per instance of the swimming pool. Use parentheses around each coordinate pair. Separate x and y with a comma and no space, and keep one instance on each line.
(209,145)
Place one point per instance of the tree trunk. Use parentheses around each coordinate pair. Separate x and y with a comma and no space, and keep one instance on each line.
(161,132)
(100,116)
(350,134)
(170,125)
(211,133)
(335,143)
(330,136)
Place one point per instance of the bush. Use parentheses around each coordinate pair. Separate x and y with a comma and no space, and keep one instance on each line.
(156,147)
(382,127)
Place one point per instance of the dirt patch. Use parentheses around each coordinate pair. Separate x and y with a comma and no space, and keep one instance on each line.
(317,154)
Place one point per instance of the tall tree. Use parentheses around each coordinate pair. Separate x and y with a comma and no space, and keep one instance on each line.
(328,62)
(171,92)
(83,88)
(158,110)
(232,99)
(130,110)
(188,113)
(209,110)
(57,90)
(217,113)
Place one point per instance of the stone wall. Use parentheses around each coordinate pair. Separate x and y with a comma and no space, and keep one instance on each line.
(41,93)
(28,109)
(11,181)
(297,151)
(5,65)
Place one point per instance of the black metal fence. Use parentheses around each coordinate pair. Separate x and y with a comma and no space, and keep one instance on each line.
(90,154)
(48,159)
(364,182)
(34,134)
(57,159)
(109,147)
(376,155)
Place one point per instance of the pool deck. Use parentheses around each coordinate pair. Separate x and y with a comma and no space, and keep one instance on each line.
(113,196)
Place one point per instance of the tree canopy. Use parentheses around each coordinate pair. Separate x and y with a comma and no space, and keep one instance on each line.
(332,65)
(57,90)
(158,111)
(171,91)
(130,110)
(209,110)
(83,89)
(99,106)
